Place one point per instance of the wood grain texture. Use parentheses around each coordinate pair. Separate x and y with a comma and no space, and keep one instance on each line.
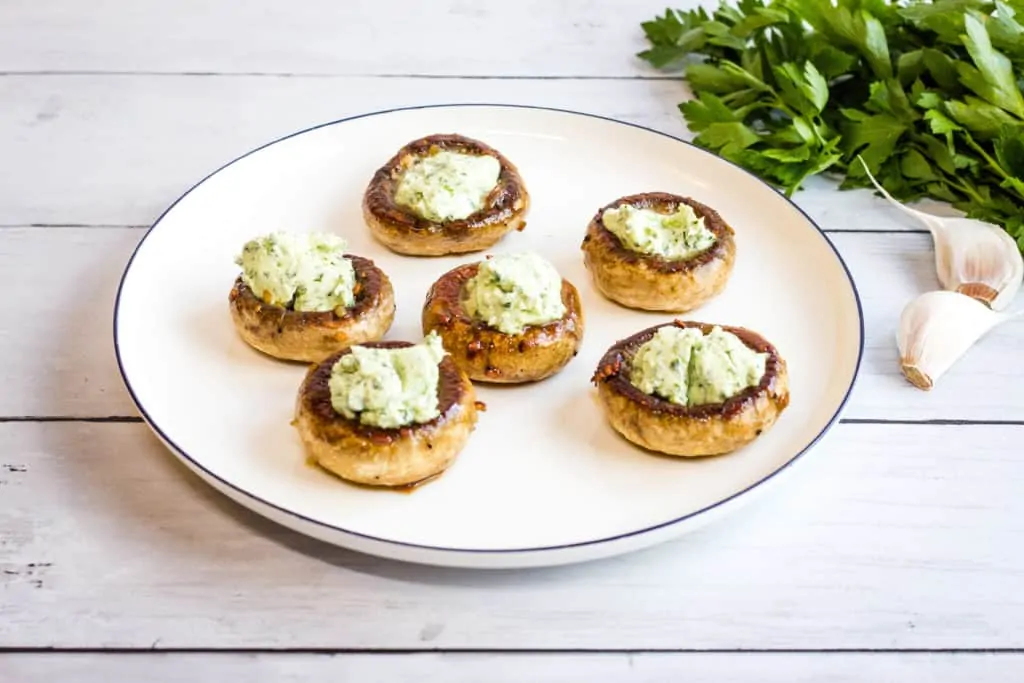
(60,359)
(58,355)
(505,668)
(886,537)
(130,145)
(355,37)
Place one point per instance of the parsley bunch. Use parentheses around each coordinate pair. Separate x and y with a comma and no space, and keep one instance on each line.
(928,94)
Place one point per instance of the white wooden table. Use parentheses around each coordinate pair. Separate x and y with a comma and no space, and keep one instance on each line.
(896,553)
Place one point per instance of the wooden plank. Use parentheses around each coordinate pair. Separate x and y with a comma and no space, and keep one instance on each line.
(58,347)
(887,537)
(513,668)
(60,359)
(889,271)
(355,37)
(130,145)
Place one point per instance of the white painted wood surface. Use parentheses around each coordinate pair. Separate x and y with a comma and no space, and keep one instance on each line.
(474,668)
(595,38)
(889,537)
(128,145)
(80,378)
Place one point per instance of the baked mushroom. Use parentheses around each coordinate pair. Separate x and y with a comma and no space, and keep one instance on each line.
(301,297)
(692,389)
(659,252)
(508,319)
(386,413)
(445,194)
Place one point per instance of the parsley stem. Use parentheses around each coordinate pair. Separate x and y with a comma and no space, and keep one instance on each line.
(991,162)
(883,73)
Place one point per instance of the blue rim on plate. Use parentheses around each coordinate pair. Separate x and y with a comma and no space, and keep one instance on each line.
(487,551)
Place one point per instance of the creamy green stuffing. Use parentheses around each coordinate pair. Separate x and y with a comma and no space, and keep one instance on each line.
(511,291)
(388,388)
(307,271)
(448,185)
(673,236)
(687,367)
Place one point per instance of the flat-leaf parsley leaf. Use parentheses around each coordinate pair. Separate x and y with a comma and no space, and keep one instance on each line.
(929,93)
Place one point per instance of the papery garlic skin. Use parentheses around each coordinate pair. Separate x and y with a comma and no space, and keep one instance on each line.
(975,258)
(936,329)
(979,259)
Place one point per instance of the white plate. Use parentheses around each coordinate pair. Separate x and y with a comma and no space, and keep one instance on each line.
(544,480)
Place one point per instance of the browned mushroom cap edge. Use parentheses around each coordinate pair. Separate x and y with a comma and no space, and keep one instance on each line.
(614,370)
(369,280)
(502,203)
(447,291)
(316,395)
(664,201)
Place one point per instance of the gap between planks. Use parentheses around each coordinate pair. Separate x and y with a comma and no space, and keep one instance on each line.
(314,74)
(133,419)
(828,231)
(384,651)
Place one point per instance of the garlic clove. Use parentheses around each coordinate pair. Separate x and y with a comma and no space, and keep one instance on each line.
(980,260)
(936,329)
(975,258)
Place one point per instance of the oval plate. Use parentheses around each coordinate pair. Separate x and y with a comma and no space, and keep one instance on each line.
(544,480)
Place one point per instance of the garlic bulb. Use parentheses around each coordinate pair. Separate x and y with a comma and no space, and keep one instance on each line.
(936,329)
(972,257)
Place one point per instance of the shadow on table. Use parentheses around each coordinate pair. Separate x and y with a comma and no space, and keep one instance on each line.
(122,478)
(253,523)
(134,496)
